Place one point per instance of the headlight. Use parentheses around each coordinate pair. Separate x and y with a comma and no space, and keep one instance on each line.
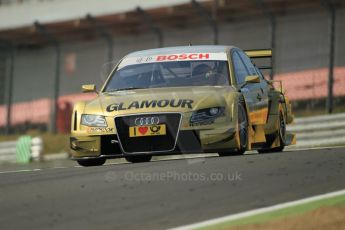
(214,111)
(93,120)
(207,115)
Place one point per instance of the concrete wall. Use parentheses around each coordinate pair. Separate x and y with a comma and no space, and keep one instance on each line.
(302,43)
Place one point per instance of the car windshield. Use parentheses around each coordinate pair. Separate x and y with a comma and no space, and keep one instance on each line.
(169,74)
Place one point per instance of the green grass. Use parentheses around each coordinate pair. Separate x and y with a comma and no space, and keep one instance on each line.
(55,143)
(275,215)
(8,138)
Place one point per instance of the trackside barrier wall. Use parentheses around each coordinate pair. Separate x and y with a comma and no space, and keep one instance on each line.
(324,130)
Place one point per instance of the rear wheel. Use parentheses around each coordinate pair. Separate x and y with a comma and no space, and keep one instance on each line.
(242,127)
(282,137)
(91,162)
(138,159)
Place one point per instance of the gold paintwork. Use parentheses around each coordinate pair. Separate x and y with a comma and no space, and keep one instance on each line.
(259,53)
(252,79)
(261,121)
(259,134)
(88,88)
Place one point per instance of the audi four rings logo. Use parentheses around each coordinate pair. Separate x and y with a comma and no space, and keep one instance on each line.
(140,121)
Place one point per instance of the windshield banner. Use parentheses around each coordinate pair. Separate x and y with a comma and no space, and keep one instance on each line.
(173,57)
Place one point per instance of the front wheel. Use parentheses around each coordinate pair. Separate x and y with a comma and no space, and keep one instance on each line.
(91,162)
(138,159)
(242,127)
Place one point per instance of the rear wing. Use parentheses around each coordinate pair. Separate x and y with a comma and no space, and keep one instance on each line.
(259,57)
(260,54)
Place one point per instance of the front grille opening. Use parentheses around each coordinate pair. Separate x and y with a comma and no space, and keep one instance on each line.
(150,143)
(110,145)
(188,142)
(75,121)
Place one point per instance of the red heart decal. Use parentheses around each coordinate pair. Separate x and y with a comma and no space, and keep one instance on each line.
(143,130)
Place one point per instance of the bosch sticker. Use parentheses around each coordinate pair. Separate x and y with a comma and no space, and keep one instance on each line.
(173,57)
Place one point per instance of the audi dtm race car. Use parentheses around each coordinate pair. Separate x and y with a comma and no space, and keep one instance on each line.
(193,99)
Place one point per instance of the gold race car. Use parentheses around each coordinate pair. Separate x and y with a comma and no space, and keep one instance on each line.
(191,99)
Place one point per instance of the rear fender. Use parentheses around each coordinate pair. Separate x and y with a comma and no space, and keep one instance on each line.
(276,105)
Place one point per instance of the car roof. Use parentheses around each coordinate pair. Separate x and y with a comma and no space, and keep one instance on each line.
(183,49)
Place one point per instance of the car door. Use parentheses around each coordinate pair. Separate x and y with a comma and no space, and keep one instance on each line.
(241,72)
(259,92)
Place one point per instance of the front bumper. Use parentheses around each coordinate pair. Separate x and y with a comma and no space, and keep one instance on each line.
(188,141)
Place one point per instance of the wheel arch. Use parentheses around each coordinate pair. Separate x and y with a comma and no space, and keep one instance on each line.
(251,131)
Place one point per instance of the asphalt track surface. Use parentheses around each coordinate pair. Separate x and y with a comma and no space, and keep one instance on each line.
(164,194)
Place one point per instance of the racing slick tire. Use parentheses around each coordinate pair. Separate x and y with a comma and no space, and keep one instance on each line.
(242,123)
(91,162)
(282,137)
(138,159)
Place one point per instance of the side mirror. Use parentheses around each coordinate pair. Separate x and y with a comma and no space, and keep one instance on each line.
(252,79)
(88,88)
